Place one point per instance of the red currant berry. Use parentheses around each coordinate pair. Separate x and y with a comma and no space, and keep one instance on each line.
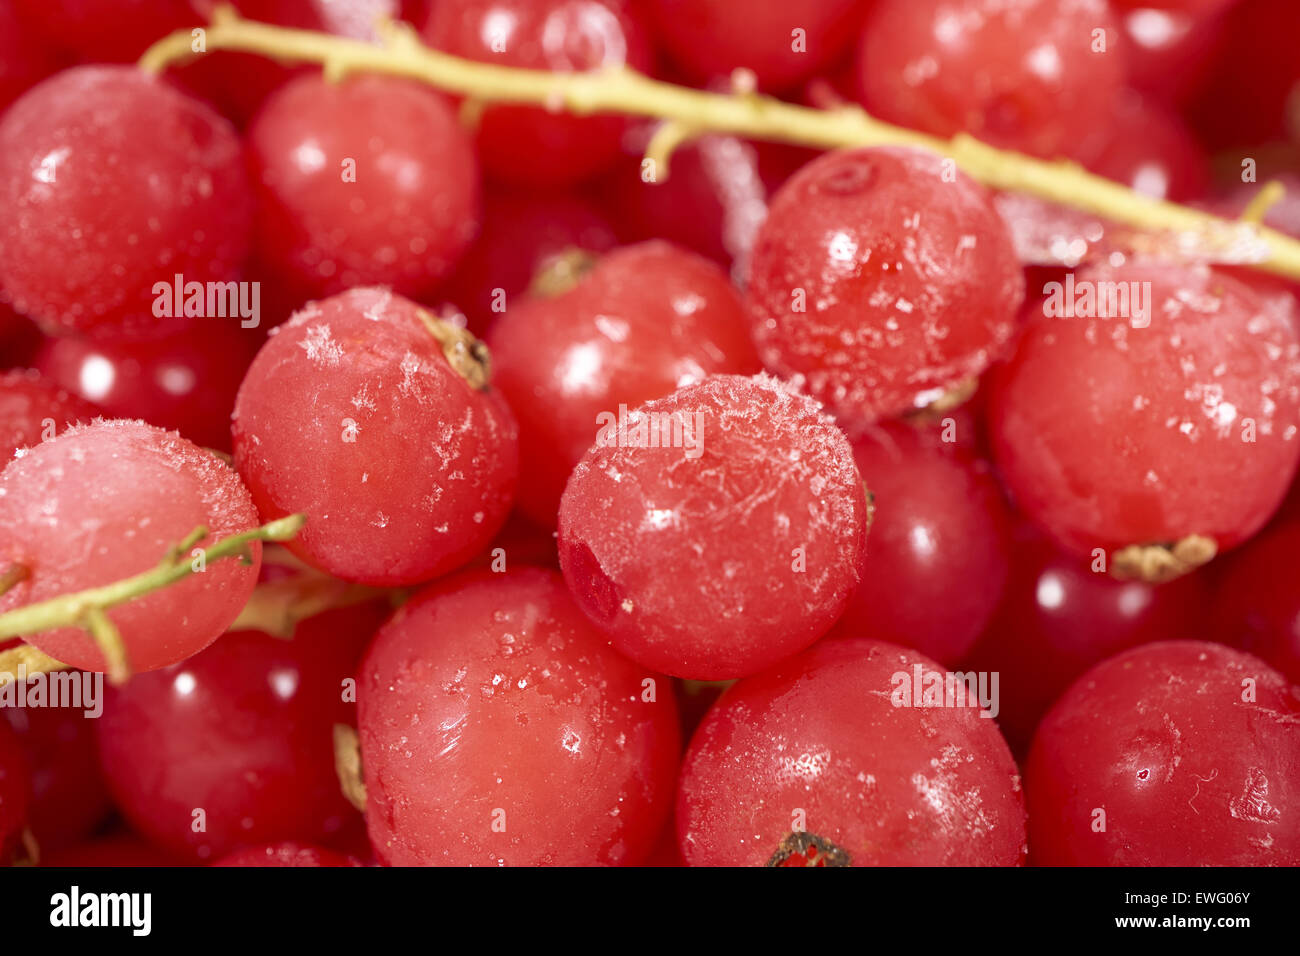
(1257,600)
(529,145)
(367,181)
(1026,75)
(1059,617)
(645,320)
(782,43)
(1147,148)
(1142,424)
(15,790)
(68,796)
(880,283)
(286,854)
(376,420)
(816,763)
(522,233)
(1186,753)
(1166,53)
(497,728)
(938,552)
(93,214)
(716,531)
(185,382)
(72,512)
(33,409)
(262,710)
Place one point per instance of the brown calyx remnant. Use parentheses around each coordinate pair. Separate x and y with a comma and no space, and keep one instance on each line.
(808,849)
(955,397)
(467,356)
(561,272)
(871,506)
(347,764)
(1155,563)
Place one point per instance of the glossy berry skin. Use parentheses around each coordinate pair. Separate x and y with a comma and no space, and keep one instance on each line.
(352,414)
(1257,600)
(286,854)
(73,512)
(186,381)
(1107,434)
(1020,75)
(1192,750)
(938,551)
(818,739)
(15,789)
(645,320)
(1059,617)
(243,731)
(367,181)
(880,283)
(68,796)
(498,729)
(527,145)
(93,214)
(710,38)
(33,408)
(1148,148)
(522,233)
(719,556)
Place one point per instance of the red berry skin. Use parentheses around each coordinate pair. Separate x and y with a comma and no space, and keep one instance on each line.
(721,556)
(881,284)
(15,789)
(522,232)
(1257,599)
(1024,76)
(184,382)
(525,145)
(710,38)
(68,796)
(262,710)
(29,404)
(1191,749)
(118,850)
(498,729)
(1059,617)
(288,853)
(23,60)
(106,31)
(93,214)
(1167,53)
(819,741)
(938,551)
(1108,432)
(645,320)
(109,500)
(1148,148)
(367,181)
(351,414)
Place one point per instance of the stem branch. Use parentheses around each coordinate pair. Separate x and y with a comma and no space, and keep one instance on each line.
(748,115)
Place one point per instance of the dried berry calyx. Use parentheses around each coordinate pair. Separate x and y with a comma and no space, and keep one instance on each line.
(1155,563)
(808,849)
(465,354)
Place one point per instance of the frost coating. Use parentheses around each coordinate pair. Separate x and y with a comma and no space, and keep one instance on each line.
(714,561)
(352,415)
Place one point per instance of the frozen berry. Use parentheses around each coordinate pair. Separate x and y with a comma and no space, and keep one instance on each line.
(716,531)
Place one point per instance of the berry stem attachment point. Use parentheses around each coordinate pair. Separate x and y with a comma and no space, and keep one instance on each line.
(14,574)
(347,764)
(748,115)
(1157,563)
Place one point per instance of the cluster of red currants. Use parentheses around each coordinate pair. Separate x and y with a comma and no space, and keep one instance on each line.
(795,510)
